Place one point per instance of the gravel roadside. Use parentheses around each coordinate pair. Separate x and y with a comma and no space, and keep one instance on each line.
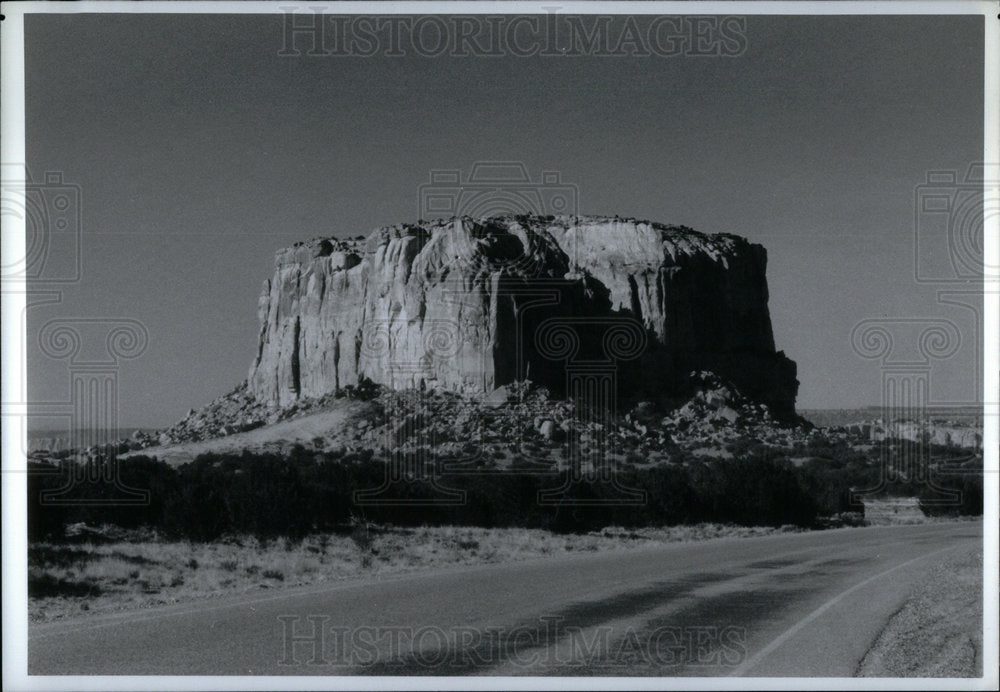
(939,631)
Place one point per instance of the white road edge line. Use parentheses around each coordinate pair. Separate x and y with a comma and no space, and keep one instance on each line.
(754,660)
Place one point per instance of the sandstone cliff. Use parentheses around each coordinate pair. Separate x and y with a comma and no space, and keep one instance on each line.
(471,304)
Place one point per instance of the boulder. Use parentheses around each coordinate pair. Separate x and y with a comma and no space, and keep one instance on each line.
(644,412)
(728,414)
(498,397)
(547,428)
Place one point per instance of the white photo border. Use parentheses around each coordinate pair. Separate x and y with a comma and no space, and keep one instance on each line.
(14,488)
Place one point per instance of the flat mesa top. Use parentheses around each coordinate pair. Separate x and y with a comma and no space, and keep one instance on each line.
(684,238)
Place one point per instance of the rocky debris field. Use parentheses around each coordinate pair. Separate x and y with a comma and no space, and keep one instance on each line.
(231,413)
(946,426)
(517,424)
(941,432)
(521,423)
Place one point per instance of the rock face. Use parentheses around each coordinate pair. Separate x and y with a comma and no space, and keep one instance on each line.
(943,433)
(469,305)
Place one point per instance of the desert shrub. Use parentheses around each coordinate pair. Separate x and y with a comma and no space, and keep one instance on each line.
(753,490)
(269,495)
(361,537)
(967,483)
(829,486)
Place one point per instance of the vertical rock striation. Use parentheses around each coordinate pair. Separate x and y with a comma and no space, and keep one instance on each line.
(461,304)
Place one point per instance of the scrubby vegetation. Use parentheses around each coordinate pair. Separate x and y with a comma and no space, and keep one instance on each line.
(138,568)
(266,496)
(230,522)
(305,492)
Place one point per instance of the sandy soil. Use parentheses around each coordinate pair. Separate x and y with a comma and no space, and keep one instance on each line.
(325,424)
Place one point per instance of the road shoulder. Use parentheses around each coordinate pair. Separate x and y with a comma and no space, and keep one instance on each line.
(938,632)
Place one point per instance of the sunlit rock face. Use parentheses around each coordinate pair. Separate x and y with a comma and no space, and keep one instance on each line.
(472,304)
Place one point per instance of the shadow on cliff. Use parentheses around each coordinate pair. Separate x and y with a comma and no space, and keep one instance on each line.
(571,340)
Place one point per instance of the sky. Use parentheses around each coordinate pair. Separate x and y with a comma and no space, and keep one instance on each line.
(199,152)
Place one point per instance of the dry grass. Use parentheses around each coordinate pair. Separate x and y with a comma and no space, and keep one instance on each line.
(68,580)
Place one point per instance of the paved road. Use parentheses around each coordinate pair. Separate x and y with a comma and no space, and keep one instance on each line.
(800,604)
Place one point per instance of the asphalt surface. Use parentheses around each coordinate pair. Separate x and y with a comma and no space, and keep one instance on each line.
(806,604)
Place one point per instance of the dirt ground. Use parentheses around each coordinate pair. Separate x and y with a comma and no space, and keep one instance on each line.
(939,631)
